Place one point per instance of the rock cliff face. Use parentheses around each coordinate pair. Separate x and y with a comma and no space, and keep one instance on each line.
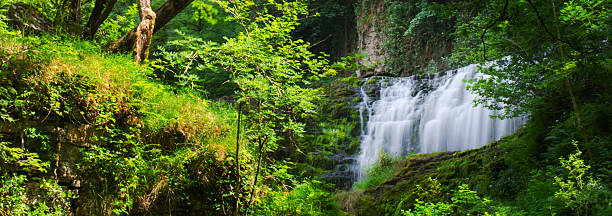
(65,141)
(402,38)
(371,37)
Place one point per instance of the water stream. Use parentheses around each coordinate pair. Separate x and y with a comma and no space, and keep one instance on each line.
(426,115)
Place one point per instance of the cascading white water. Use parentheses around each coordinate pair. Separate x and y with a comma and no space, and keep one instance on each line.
(441,117)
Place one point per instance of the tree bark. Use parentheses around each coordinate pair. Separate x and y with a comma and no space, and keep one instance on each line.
(100,12)
(75,11)
(168,11)
(164,14)
(72,19)
(262,142)
(144,31)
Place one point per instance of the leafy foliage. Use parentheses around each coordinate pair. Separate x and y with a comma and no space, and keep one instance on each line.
(264,65)
(463,202)
(564,46)
(304,199)
(151,141)
(126,167)
(118,23)
(584,197)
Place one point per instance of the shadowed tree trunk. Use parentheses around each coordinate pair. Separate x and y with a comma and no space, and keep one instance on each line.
(164,14)
(75,11)
(168,11)
(100,12)
(144,30)
(69,16)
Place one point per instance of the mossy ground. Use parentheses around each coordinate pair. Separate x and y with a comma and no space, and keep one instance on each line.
(479,168)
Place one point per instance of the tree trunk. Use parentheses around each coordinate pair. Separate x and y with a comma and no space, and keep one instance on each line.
(100,12)
(71,20)
(144,31)
(168,11)
(568,85)
(262,142)
(164,14)
(75,12)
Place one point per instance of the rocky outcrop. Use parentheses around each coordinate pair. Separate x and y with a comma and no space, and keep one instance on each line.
(402,38)
(478,168)
(370,37)
(27,18)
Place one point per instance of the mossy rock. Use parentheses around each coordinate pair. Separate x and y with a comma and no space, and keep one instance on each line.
(479,168)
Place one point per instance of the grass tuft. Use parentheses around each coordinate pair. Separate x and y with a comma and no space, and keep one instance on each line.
(383,170)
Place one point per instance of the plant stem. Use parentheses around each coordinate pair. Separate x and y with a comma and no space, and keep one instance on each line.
(261,144)
(238,184)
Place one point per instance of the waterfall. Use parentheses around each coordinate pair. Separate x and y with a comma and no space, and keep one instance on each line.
(427,115)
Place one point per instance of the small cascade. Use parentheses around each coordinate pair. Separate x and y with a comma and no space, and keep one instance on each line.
(426,115)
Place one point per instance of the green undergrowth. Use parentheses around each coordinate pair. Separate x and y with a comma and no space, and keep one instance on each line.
(14,186)
(138,143)
(309,198)
(129,86)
